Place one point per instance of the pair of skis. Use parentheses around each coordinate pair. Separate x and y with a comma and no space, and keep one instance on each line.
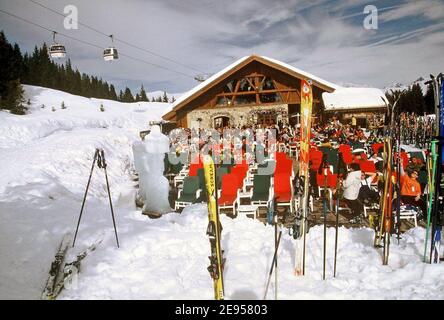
(384,229)
(61,273)
(435,210)
(385,217)
(300,223)
(214,230)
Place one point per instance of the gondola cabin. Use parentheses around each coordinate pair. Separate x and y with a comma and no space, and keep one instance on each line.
(110,54)
(57,51)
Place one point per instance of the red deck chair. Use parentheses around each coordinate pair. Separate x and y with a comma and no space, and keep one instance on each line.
(284,167)
(377,146)
(315,156)
(344,147)
(280,156)
(194,167)
(241,173)
(283,191)
(331,179)
(405,159)
(347,156)
(229,193)
(367,166)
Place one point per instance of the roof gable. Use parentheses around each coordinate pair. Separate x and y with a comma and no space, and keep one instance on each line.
(238,65)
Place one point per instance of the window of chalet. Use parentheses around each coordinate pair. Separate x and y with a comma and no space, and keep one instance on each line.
(246,85)
(244,92)
(267,84)
(270,97)
(230,86)
(221,100)
(245,99)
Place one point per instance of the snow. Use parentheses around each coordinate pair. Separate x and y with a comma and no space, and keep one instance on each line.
(157,94)
(400,86)
(45,163)
(353,98)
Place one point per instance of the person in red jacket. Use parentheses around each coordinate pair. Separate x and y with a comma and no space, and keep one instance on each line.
(411,190)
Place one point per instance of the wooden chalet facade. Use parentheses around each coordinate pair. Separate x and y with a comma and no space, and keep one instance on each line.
(253,90)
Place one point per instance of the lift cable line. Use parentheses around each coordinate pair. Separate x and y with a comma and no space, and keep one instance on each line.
(94,45)
(119,40)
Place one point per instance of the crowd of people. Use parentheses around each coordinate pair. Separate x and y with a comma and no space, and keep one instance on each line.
(358,186)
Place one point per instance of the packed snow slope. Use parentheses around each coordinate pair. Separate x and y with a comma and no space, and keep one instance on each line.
(45,160)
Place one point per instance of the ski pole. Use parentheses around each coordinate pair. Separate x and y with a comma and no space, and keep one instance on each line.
(432,164)
(272,264)
(337,219)
(398,186)
(84,197)
(336,235)
(276,260)
(103,165)
(325,222)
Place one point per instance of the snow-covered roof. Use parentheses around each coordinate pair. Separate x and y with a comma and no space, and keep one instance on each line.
(301,72)
(202,85)
(353,98)
(216,76)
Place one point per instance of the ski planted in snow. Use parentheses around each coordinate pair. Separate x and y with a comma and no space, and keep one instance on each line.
(383,229)
(438,210)
(431,168)
(300,225)
(214,230)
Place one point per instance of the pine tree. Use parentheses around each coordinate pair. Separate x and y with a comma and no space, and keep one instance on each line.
(11,91)
(14,100)
(121,96)
(143,96)
(112,93)
(137,98)
(153,100)
(173,99)
(165,97)
(128,96)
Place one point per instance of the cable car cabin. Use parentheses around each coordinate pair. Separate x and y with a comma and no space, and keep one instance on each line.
(110,54)
(57,51)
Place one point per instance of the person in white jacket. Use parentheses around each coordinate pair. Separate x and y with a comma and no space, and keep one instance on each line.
(352,185)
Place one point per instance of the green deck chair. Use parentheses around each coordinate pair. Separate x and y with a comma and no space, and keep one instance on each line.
(189,194)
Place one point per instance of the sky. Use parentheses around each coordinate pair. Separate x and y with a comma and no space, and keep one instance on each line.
(185,38)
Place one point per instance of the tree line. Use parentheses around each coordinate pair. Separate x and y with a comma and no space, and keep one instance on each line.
(38,69)
(413,100)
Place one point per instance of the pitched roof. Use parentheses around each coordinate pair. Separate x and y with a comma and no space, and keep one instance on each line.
(237,65)
(354,98)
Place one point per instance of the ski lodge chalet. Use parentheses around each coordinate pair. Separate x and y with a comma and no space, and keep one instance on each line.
(260,90)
